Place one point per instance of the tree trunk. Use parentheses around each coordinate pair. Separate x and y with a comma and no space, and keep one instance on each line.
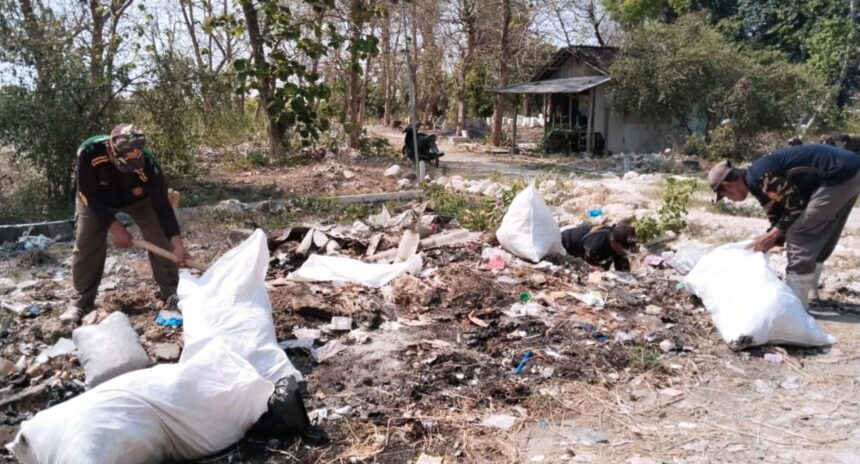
(504,56)
(386,68)
(461,100)
(277,132)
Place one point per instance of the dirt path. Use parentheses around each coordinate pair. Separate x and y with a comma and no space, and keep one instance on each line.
(471,164)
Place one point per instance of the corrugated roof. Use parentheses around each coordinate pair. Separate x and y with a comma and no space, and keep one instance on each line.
(565,85)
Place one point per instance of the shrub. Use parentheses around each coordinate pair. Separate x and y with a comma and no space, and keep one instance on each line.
(672,214)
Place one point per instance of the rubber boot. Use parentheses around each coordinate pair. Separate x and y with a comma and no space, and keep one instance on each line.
(801,285)
(814,293)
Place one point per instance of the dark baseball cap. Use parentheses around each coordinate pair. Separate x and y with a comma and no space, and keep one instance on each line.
(718,175)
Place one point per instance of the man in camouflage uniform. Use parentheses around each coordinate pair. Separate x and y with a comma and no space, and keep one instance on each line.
(117,173)
(808,192)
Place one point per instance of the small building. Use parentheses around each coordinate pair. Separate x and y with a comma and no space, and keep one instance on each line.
(573,85)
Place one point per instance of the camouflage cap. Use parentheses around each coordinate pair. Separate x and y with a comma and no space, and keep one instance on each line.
(125,138)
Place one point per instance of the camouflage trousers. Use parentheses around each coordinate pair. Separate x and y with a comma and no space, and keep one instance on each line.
(88,257)
(814,235)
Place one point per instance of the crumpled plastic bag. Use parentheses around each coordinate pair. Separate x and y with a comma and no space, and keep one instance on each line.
(320,268)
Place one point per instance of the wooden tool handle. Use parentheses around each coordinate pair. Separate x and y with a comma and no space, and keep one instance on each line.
(166,254)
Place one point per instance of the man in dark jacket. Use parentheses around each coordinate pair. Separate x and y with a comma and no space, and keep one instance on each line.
(808,192)
(117,173)
(601,246)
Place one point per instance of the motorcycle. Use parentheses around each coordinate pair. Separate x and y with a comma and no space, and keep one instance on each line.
(428,151)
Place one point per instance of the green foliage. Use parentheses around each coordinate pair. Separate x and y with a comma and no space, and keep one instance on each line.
(631,13)
(688,71)
(673,211)
(472,212)
(479,97)
(727,143)
(375,147)
(694,145)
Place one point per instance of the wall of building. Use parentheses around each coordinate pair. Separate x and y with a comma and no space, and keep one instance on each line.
(629,134)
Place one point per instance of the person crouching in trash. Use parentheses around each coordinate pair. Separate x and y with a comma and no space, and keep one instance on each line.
(601,245)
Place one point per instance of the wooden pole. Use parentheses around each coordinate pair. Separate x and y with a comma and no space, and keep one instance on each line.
(166,254)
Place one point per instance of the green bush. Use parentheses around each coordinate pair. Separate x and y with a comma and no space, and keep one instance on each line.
(694,145)
(375,147)
(672,214)
(727,143)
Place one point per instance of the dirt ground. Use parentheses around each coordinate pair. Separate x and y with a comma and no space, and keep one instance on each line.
(431,357)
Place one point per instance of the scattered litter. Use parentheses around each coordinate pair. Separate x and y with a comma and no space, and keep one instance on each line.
(340,324)
(595,334)
(653,261)
(671,392)
(685,259)
(667,346)
(522,363)
(298,343)
(525,297)
(531,309)
(592,299)
(593,213)
(537,458)
(507,280)
(427,459)
(320,268)
(653,310)
(499,421)
(390,326)
(476,321)
(327,351)
(29,242)
(347,174)
(790,383)
(774,358)
(63,347)
(496,263)
(169,318)
(762,387)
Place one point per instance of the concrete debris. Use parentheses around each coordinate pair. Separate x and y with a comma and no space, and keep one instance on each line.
(499,421)
(393,171)
(166,351)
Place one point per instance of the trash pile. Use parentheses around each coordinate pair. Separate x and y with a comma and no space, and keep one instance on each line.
(402,328)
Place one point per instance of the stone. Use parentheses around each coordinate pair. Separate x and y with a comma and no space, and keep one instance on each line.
(667,346)
(7,368)
(53,330)
(166,351)
(347,174)
(653,310)
(393,171)
(93,317)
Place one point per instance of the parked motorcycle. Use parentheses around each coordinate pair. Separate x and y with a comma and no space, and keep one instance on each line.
(428,151)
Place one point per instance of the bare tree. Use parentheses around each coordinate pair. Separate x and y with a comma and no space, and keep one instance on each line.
(504,56)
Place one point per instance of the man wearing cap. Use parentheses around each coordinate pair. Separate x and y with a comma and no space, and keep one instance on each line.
(601,246)
(807,192)
(118,173)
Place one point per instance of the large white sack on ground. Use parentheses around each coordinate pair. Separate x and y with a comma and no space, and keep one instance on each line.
(108,349)
(170,412)
(528,229)
(748,303)
(230,301)
(320,268)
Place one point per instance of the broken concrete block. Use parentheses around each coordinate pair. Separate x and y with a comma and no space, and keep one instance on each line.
(393,171)
(166,351)
(340,323)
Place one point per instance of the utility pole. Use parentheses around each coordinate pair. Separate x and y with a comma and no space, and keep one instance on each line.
(419,165)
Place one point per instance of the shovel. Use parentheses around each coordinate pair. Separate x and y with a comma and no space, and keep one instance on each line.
(166,254)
